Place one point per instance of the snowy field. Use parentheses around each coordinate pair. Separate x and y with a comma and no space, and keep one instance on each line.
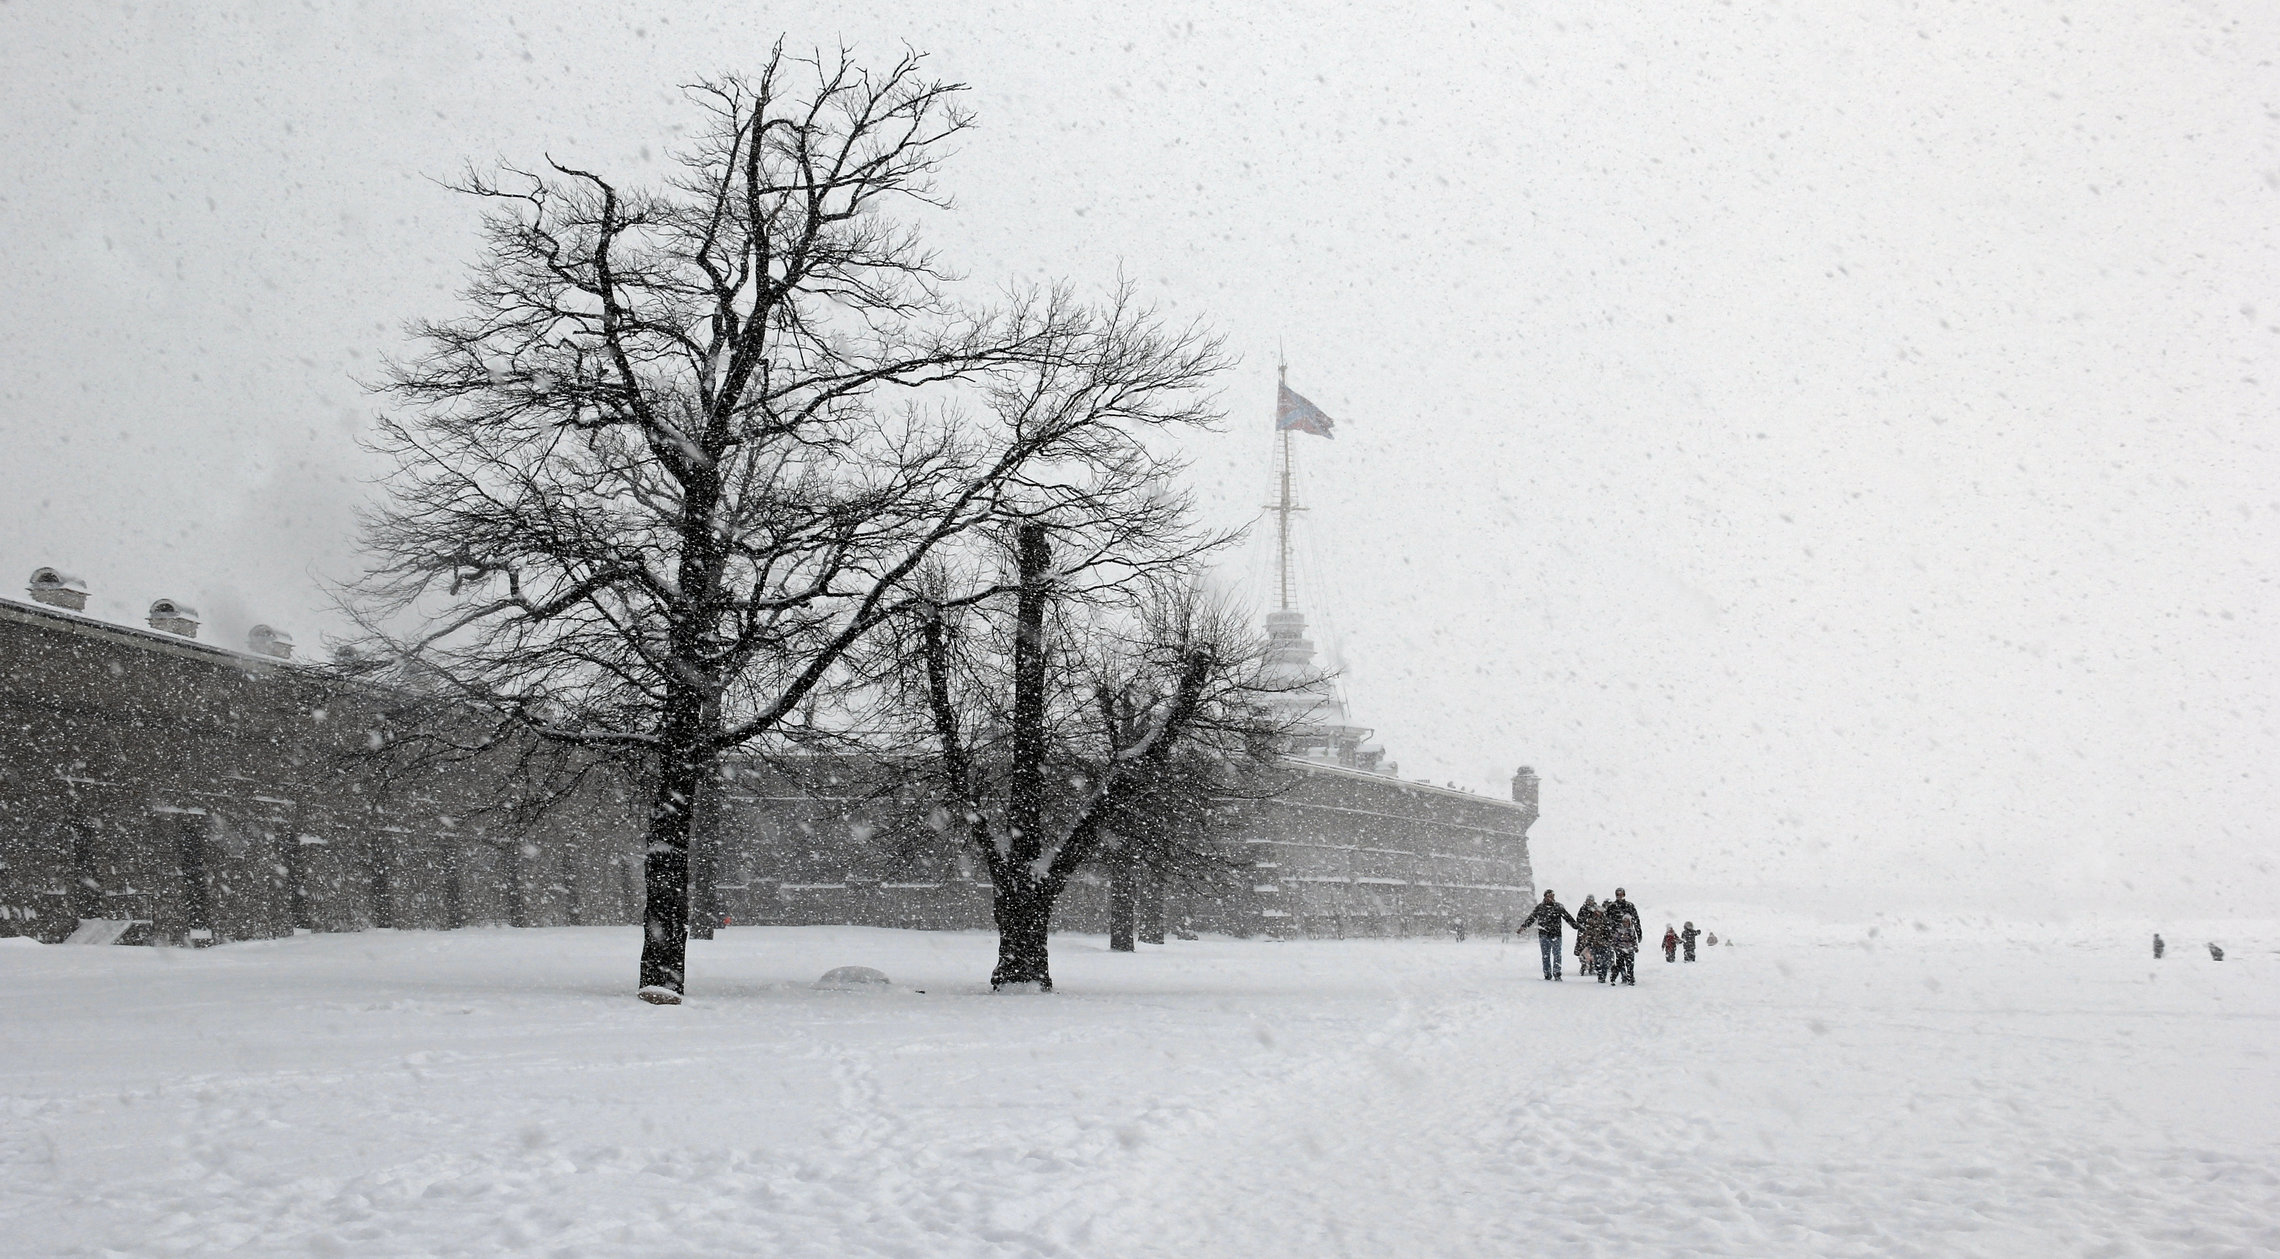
(1937,1090)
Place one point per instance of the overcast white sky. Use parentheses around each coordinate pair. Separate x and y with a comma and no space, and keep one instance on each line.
(1831,442)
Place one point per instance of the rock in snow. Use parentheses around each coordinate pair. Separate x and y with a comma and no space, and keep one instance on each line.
(852,979)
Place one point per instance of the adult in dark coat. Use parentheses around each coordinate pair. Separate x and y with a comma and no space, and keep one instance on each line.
(1591,937)
(1546,919)
(1624,909)
(1624,933)
(1686,938)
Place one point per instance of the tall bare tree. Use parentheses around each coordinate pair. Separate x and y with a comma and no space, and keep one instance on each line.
(687,444)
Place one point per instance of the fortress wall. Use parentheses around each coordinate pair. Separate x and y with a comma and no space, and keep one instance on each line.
(1341,852)
(1346,852)
(217,796)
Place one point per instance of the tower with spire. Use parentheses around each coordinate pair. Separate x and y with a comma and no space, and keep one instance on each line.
(1310,709)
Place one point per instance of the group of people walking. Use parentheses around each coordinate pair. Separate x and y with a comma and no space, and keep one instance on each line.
(1607,936)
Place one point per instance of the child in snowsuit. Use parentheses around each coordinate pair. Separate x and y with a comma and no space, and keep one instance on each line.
(2158,946)
(1686,938)
(1670,943)
(1623,942)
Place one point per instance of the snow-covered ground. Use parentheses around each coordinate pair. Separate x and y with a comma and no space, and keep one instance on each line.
(1937,1089)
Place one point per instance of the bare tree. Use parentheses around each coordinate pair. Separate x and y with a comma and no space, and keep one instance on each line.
(688,444)
(1171,826)
(1176,831)
(1062,709)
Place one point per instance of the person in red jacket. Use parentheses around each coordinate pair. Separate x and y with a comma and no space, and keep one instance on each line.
(1670,943)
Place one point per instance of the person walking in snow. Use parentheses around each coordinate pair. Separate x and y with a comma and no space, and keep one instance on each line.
(2158,946)
(1623,941)
(1686,938)
(1621,908)
(1546,919)
(1591,937)
(1670,943)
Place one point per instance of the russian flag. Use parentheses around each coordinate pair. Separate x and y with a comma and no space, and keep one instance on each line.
(1292,411)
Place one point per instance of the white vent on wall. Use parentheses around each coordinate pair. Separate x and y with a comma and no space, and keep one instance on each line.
(261,640)
(170,616)
(58,589)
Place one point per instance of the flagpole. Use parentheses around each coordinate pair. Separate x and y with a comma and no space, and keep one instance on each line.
(1282,512)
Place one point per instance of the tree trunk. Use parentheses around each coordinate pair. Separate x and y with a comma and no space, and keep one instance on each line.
(704,862)
(1025,779)
(379,869)
(1151,906)
(1123,898)
(1022,907)
(665,911)
(1024,915)
(88,883)
(517,879)
(300,907)
(454,884)
(190,841)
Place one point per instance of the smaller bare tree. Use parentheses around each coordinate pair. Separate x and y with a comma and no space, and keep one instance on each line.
(1061,716)
(1171,826)
(1175,832)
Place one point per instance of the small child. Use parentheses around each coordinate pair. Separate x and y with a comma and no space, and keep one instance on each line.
(1670,943)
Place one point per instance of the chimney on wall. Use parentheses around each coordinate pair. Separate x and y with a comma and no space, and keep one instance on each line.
(264,641)
(1524,787)
(169,616)
(60,590)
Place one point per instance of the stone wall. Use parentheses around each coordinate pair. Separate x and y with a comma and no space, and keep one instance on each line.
(216,796)
(1342,852)
(1349,853)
